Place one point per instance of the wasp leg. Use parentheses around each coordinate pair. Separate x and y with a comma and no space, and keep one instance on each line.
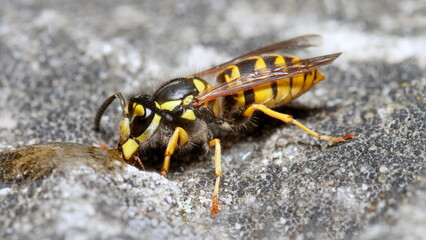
(218,173)
(289,119)
(179,138)
(136,159)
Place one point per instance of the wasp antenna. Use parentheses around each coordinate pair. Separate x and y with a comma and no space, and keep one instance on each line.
(104,106)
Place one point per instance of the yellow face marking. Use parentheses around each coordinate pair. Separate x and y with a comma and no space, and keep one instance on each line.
(129,148)
(189,114)
(199,85)
(126,109)
(151,129)
(138,110)
(170,105)
(124,128)
(187,100)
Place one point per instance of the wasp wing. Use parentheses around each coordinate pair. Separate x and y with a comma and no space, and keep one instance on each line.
(294,43)
(263,76)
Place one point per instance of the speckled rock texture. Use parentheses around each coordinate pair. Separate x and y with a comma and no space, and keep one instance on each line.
(60,59)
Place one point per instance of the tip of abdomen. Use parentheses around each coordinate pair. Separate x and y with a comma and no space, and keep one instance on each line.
(318,76)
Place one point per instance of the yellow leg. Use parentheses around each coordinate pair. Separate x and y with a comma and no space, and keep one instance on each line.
(289,119)
(179,138)
(218,172)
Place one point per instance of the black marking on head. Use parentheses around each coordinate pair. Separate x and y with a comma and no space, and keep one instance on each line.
(148,103)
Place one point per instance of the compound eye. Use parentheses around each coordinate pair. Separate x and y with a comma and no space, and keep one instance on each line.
(140,123)
(148,113)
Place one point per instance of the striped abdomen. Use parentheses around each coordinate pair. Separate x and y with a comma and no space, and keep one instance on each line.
(272,94)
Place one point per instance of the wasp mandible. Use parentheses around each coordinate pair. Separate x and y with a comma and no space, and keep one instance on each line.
(182,112)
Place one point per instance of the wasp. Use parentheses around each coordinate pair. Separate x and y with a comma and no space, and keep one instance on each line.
(182,112)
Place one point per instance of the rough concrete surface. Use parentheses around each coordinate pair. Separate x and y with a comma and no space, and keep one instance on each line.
(60,59)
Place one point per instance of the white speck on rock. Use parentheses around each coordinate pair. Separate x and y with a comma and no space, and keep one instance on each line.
(384,169)
(5,191)
(372,148)
(50,18)
(291,152)
(6,121)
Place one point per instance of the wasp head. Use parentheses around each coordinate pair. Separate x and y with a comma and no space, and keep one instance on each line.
(140,120)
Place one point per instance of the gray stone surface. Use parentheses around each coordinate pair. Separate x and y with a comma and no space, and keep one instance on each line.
(60,59)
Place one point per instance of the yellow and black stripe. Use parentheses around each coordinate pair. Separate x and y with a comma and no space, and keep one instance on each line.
(272,94)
